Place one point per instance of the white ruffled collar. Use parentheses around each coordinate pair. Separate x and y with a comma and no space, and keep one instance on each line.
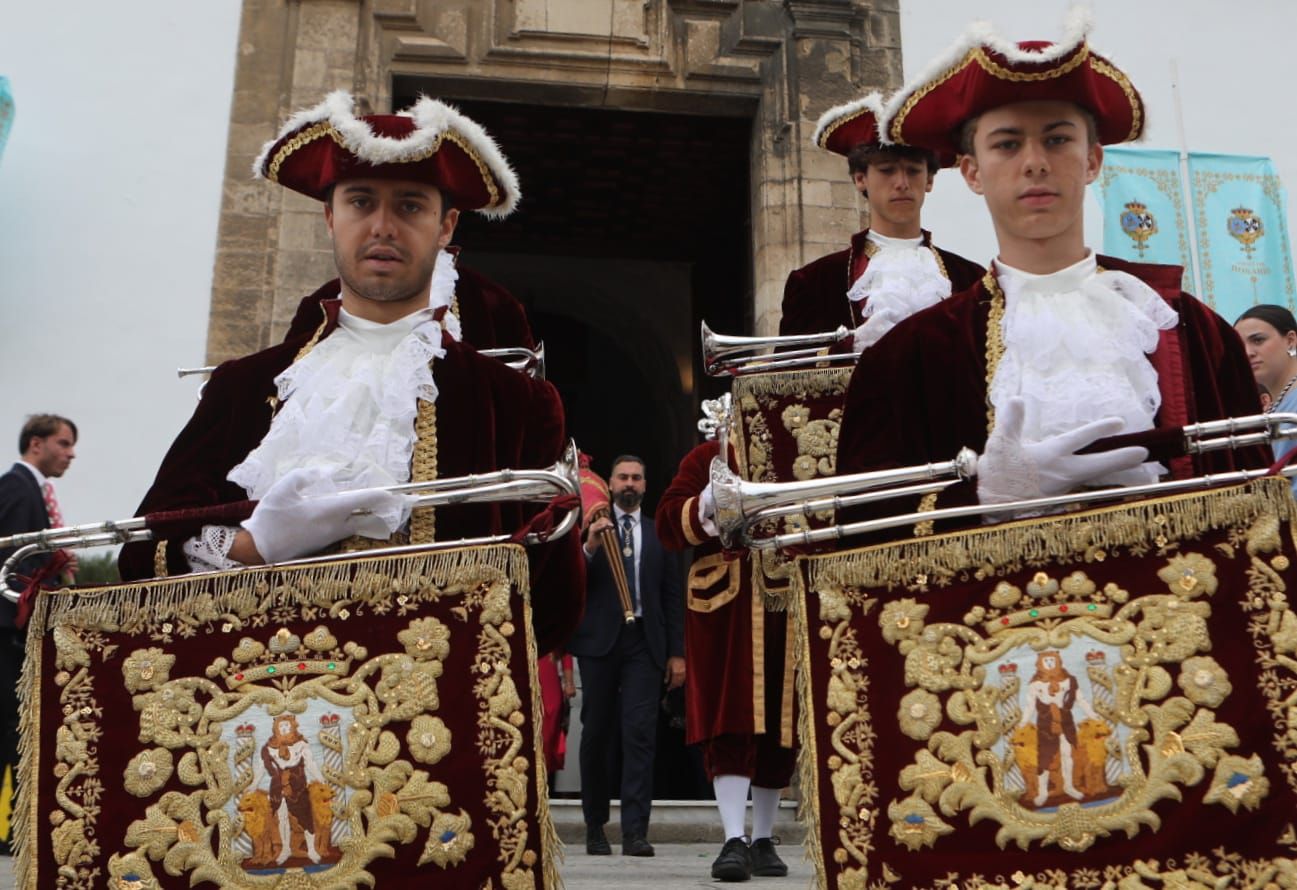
(886,242)
(350,403)
(902,278)
(1076,346)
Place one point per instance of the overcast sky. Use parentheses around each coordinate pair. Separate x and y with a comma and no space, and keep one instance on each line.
(110,187)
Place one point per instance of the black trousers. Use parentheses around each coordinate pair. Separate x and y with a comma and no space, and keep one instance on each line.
(619,690)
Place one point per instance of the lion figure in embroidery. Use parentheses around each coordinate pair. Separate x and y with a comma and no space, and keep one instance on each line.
(254,807)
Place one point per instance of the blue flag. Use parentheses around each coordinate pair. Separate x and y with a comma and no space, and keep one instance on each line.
(1241,216)
(1143,208)
(6,113)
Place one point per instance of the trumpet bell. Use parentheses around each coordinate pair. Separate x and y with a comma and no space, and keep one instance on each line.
(726,355)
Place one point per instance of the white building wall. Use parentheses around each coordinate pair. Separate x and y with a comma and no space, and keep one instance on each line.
(109,199)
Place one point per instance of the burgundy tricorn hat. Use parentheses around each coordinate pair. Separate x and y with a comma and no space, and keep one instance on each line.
(844,127)
(861,122)
(983,71)
(430,142)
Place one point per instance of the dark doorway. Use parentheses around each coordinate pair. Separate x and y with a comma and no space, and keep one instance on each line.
(633,228)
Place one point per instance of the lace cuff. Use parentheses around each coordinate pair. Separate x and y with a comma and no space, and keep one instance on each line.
(209,551)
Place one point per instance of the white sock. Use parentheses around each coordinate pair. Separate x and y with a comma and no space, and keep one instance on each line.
(732,801)
(765,803)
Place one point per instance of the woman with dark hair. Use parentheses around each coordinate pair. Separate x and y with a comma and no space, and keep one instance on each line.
(1270,338)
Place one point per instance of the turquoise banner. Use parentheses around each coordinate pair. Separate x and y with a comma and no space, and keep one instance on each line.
(6,113)
(1241,218)
(1144,219)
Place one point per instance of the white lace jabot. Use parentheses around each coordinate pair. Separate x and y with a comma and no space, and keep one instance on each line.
(350,403)
(1075,349)
(901,278)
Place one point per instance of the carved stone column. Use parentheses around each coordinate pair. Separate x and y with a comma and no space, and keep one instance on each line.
(271,241)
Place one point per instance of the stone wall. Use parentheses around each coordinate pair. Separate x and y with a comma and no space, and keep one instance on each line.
(783,61)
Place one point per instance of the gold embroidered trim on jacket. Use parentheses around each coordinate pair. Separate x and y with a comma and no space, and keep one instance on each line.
(704,574)
(687,512)
(423,468)
(994,340)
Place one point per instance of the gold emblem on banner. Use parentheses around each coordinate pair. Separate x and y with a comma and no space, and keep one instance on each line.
(1246,228)
(1139,223)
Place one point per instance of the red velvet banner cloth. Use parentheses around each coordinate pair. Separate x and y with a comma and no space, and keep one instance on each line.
(1090,700)
(365,720)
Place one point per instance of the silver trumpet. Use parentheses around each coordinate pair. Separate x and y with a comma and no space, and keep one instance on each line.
(740,504)
(520,358)
(725,355)
(539,485)
(748,503)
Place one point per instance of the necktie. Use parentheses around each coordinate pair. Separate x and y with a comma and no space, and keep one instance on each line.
(628,558)
(52,506)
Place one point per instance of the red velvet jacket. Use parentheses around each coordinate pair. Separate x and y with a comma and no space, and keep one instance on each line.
(488,417)
(920,393)
(815,296)
(734,648)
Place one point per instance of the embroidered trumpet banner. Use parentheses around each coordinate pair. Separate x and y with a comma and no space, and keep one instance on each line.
(1100,699)
(787,430)
(359,722)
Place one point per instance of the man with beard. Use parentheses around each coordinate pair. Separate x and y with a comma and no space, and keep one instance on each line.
(383,391)
(624,664)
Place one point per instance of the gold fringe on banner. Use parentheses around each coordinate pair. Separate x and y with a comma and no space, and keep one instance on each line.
(551,848)
(216,597)
(806,382)
(1151,523)
(808,760)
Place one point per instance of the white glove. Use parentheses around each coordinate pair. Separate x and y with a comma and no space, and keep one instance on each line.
(707,512)
(1012,471)
(303,513)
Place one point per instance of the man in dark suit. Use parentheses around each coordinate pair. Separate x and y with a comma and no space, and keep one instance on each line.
(47,445)
(624,665)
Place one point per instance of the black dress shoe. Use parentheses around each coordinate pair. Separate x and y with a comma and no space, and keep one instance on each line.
(636,846)
(765,861)
(596,842)
(735,861)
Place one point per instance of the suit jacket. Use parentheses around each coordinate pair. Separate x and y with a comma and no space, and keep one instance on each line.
(661,595)
(22,509)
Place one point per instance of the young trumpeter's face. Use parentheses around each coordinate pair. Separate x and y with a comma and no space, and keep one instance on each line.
(1032,162)
(386,237)
(896,187)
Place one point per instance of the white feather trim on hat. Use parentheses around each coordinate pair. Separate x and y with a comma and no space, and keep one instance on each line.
(432,118)
(872,102)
